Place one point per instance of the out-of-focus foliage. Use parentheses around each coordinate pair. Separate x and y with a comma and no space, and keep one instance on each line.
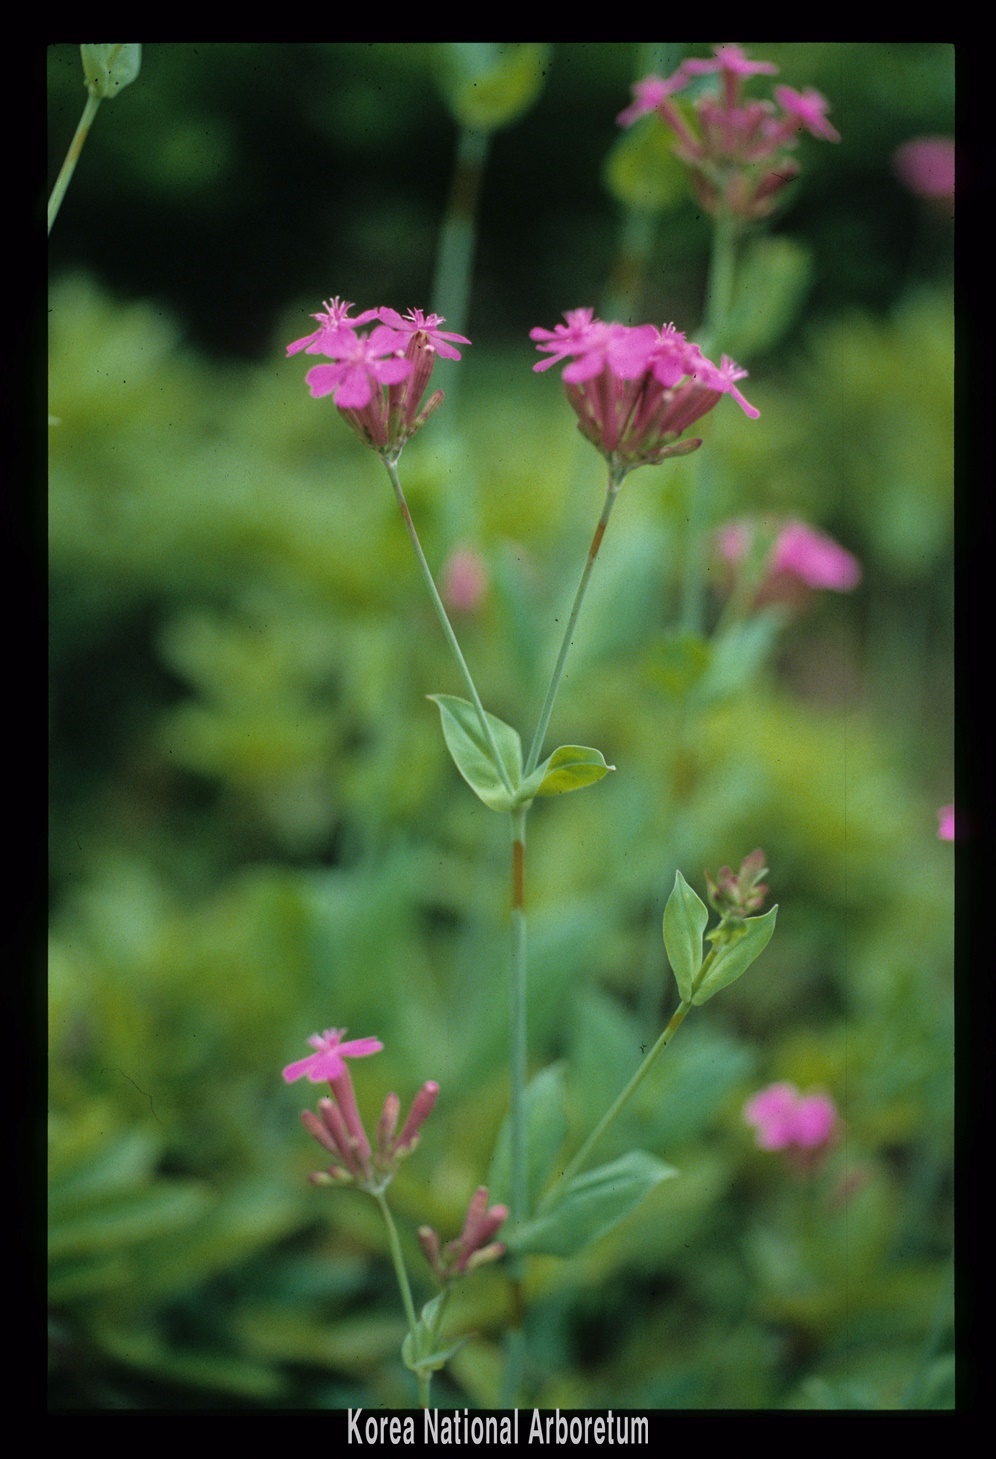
(257,831)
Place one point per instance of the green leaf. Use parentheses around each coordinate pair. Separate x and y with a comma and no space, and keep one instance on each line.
(642,171)
(677,662)
(107,69)
(739,653)
(769,291)
(419,1351)
(572,767)
(685,918)
(736,956)
(546,1131)
(489,84)
(472,754)
(589,1205)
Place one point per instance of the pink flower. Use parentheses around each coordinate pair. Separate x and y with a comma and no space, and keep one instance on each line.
(798,552)
(946,823)
(464,583)
(378,380)
(331,323)
(785,1120)
(326,1063)
(736,148)
(730,60)
(416,321)
(365,362)
(635,390)
(648,95)
(927,166)
(806,109)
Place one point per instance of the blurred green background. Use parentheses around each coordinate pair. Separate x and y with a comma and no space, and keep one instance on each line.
(256,831)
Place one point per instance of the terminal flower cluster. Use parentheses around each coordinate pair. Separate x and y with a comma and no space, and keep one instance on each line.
(737,149)
(736,895)
(636,390)
(473,1247)
(338,1126)
(378,379)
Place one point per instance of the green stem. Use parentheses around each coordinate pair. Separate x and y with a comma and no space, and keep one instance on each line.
(72,157)
(406,1291)
(519,1193)
(455,257)
(451,638)
(719,292)
(583,1155)
(616,475)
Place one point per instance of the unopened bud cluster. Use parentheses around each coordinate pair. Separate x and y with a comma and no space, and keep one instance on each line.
(474,1246)
(736,895)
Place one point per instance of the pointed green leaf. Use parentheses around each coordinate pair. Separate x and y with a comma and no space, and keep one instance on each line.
(735,957)
(590,1205)
(570,768)
(419,1351)
(472,754)
(685,918)
(546,1131)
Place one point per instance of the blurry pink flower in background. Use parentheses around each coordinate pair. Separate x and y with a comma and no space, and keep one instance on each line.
(799,555)
(946,823)
(927,167)
(784,1119)
(464,582)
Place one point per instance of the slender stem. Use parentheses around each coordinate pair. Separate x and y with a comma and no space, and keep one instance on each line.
(406,1291)
(719,292)
(616,475)
(583,1155)
(72,157)
(455,255)
(519,1194)
(451,638)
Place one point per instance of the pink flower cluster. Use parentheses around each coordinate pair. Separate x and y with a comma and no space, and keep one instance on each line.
(338,1126)
(784,1119)
(473,1247)
(798,553)
(738,153)
(378,379)
(635,390)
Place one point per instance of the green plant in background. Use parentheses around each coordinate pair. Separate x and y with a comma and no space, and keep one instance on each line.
(308,666)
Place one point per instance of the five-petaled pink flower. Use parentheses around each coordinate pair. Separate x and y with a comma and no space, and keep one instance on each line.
(784,1119)
(365,363)
(331,322)
(417,322)
(327,1061)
